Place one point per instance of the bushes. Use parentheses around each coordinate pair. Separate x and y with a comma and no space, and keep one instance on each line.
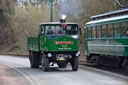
(6,12)
(26,23)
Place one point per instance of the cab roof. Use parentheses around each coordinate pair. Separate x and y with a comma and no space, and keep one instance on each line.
(54,23)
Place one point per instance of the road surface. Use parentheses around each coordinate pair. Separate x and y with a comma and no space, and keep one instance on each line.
(56,76)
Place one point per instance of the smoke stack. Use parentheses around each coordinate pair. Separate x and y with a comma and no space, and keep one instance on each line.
(63,19)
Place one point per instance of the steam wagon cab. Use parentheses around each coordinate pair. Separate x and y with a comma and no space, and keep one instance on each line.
(57,42)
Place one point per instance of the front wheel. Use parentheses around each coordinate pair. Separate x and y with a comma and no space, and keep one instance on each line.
(45,65)
(75,63)
(34,59)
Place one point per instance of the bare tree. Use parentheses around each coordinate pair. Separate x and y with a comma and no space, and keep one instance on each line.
(6,13)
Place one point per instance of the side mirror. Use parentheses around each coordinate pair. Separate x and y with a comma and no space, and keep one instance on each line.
(42,31)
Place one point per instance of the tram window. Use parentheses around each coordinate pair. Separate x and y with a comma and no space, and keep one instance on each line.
(110,30)
(104,31)
(117,29)
(89,32)
(93,32)
(85,31)
(99,31)
(124,29)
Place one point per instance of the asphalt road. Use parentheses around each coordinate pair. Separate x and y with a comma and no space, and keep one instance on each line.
(56,76)
(9,76)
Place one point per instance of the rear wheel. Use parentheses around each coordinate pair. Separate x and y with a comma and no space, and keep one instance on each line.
(125,64)
(30,56)
(95,60)
(75,63)
(45,65)
(34,59)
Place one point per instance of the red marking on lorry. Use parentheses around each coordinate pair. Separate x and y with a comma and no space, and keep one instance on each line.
(64,25)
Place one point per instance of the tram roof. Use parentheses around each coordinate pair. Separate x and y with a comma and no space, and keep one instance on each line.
(108,19)
(120,11)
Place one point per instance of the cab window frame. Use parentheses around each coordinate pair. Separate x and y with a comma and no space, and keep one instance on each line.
(75,25)
(41,30)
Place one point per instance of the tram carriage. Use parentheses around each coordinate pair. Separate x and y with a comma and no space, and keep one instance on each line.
(106,39)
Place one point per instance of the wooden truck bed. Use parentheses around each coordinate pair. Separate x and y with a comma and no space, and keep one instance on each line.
(33,44)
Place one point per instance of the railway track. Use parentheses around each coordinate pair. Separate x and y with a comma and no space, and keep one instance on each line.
(119,71)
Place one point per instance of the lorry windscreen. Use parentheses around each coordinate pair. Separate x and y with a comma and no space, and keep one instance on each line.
(71,30)
(54,30)
(60,30)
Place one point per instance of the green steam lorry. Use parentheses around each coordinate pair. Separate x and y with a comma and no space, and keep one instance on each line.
(57,42)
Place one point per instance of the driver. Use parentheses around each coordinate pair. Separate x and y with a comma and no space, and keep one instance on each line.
(49,31)
(73,30)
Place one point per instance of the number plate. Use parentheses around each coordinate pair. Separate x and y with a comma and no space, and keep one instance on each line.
(60,58)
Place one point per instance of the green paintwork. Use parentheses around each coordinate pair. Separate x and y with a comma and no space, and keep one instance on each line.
(115,46)
(33,43)
(48,43)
